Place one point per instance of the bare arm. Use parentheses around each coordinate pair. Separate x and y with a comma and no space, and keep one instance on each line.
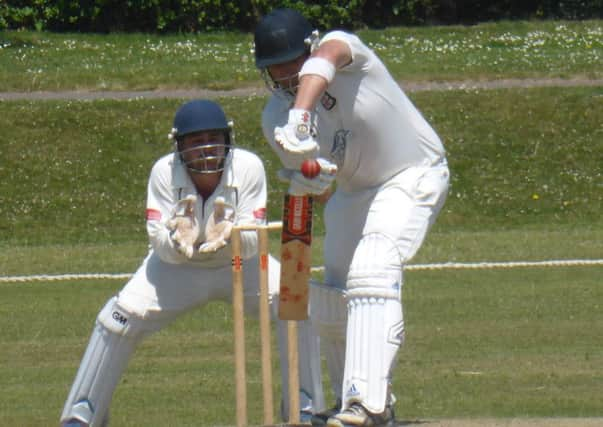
(313,86)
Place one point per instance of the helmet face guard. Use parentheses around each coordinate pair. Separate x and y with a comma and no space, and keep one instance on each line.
(203,158)
(202,136)
(282,36)
(286,85)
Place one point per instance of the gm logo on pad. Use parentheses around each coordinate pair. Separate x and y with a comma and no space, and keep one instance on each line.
(119,318)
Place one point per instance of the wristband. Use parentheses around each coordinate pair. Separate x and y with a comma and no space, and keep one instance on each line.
(319,67)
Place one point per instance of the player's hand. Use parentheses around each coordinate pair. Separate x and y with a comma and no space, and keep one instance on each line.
(218,227)
(213,246)
(296,138)
(299,185)
(183,226)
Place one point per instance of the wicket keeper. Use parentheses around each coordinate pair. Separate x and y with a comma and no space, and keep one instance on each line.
(195,195)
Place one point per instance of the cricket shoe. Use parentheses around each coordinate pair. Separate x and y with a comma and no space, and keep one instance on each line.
(357,416)
(74,423)
(305,416)
(320,419)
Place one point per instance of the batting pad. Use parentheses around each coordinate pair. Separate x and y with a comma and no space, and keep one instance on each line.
(375,328)
(310,378)
(376,267)
(111,345)
(375,333)
(329,315)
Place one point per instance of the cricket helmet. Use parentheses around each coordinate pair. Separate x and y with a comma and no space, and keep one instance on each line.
(281,36)
(202,115)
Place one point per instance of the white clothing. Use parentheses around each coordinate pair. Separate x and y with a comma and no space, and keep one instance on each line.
(168,284)
(403,208)
(243,187)
(366,124)
(167,290)
(392,182)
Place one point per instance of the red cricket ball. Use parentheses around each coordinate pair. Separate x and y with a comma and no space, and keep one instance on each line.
(310,168)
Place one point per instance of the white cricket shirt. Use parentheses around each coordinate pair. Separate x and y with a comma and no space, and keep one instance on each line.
(366,124)
(243,186)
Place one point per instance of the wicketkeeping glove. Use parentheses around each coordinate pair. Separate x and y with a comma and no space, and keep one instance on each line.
(296,137)
(299,185)
(183,226)
(218,228)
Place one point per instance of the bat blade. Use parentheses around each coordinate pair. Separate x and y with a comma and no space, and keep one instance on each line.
(296,257)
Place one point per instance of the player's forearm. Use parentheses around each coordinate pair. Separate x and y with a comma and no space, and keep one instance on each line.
(309,92)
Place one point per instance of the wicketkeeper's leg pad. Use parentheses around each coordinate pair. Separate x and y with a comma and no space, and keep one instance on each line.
(113,340)
(375,328)
(328,313)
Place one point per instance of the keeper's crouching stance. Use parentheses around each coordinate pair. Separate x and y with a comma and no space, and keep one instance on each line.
(195,196)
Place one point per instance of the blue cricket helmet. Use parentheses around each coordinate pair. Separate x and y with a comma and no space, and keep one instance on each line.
(281,36)
(199,116)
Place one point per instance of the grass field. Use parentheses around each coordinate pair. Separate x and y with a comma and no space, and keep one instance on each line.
(519,158)
(480,344)
(527,185)
(43,61)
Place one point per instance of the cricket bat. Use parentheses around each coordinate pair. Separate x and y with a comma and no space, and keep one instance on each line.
(296,257)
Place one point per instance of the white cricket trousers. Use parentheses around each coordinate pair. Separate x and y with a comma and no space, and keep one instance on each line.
(403,208)
(162,290)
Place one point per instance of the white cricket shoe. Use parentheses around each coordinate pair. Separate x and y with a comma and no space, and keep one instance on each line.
(357,416)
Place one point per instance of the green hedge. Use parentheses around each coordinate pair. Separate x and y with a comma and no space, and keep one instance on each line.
(207,15)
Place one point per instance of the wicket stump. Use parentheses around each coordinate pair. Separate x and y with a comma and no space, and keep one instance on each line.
(264,318)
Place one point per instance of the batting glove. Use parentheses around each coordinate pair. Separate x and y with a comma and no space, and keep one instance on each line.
(296,138)
(299,185)
(183,226)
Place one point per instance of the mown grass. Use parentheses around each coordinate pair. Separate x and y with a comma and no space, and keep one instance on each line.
(526,185)
(523,338)
(46,61)
(485,343)
(523,244)
(76,171)
(499,343)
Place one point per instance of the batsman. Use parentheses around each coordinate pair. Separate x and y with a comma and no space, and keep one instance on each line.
(195,196)
(333,100)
